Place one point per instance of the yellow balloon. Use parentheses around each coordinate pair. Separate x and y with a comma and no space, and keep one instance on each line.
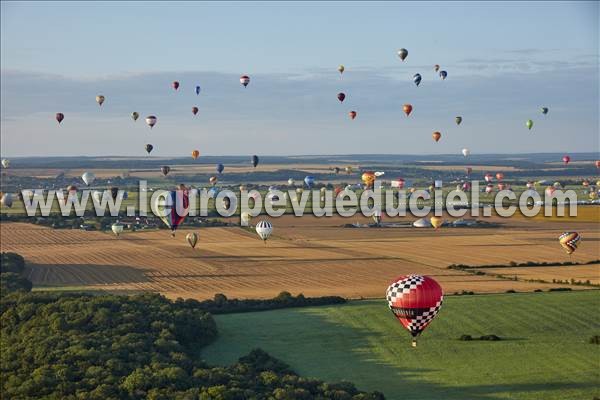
(436,222)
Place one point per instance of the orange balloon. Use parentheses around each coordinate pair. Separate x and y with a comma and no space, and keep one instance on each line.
(436,136)
(368,178)
(499,176)
(352,114)
(407,109)
(195,154)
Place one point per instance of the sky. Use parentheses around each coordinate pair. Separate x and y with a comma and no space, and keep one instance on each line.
(504,60)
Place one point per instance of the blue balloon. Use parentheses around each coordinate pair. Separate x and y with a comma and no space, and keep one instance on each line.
(417,79)
(310,181)
(443,74)
(197,90)
(220,168)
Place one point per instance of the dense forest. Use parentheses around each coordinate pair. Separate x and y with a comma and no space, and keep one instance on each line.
(78,346)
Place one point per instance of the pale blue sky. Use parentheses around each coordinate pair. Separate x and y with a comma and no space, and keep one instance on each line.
(504,61)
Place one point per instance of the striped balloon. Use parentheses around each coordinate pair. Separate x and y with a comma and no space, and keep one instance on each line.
(264,229)
(569,241)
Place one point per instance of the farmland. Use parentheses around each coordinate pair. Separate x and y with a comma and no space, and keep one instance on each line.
(544,353)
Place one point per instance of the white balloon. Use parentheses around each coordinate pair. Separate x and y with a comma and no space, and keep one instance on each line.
(88,178)
(264,229)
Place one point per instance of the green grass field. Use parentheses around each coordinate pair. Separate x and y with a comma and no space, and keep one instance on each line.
(545,353)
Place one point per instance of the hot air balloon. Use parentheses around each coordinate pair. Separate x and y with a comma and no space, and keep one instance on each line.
(220,167)
(135,115)
(598,164)
(436,67)
(501,186)
(352,114)
(175,85)
(529,124)
(489,188)
(436,136)
(264,230)
(341,69)
(569,241)
(192,239)
(195,154)
(148,148)
(499,176)
(407,109)
(443,74)
(167,205)
(291,182)
(5,162)
(403,53)
(458,120)
(165,169)
(194,110)
(417,79)
(544,110)
(7,200)
(117,228)
(368,178)
(488,177)
(245,80)
(59,117)
(114,192)
(100,99)
(336,170)
(254,161)
(212,180)
(530,185)
(466,152)
(341,96)
(436,222)
(310,181)
(151,121)
(566,159)
(466,186)
(197,90)
(415,300)
(348,170)
(88,178)
(398,183)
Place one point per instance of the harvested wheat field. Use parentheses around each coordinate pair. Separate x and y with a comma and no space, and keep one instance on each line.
(311,255)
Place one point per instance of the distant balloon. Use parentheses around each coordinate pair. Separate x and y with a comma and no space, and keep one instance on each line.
(88,178)
(336,170)
(368,178)
(436,222)
(100,99)
(489,188)
(341,69)
(117,228)
(135,115)
(544,110)
(60,117)
(403,53)
(310,181)
(407,108)
(197,90)
(5,162)
(114,192)
(598,164)
(291,182)
(466,152)
(165,169)
(213,180)
(436,136)
(220,167)
(175,85)
(7,200)
(414,300)
(566,159)
(443,74)
(194,110)
(151,121)
(195,154)
(569,241)
(264,230)
(148,148)
(254,161)
(436,67)
(499,176)
(529,124)
(458,120)
(488,177)
(245,80)
(169,205)
(348,170)
(341,96)
(352,114)
(192,239)
(417,79)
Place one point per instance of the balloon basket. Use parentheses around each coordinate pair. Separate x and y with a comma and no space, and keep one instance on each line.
(414,343)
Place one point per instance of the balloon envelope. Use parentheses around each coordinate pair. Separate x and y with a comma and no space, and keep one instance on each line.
(195,154)
(192,239)
(403,53)
(135,115)
(254,161)
(88,178)
(165,169)
(458,120)
(117,228)
(417,79)
(309,180)
(220,167)
(167,205)
(352,114)
(569,241)
(151,121)
(436,222)
(100,99)
(264,230)
(197,90)
(436,136)
(245,80)
(59,117)
(407,108)
(341,96)
(529,124)
(148,148)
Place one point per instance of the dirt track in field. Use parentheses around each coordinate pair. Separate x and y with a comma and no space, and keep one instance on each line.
(311,255)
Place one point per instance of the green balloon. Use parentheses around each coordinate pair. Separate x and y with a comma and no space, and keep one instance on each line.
(529,124)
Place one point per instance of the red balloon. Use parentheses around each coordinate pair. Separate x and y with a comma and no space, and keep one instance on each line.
(408,109)
(195,110)
(352,114)
(175,85)
(341,97)
(566,159)
(499,176)
(60,117)
(415,300)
